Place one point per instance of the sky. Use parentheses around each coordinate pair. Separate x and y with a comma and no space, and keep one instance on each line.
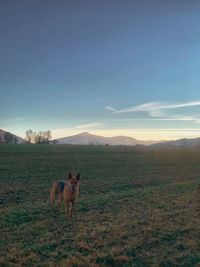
(107,67)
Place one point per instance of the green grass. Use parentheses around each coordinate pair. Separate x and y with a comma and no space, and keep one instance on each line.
(137,207)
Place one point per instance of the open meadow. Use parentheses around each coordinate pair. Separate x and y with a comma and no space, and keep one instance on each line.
(137,207)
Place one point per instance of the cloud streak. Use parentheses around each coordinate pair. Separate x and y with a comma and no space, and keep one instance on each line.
(152,106)
(12,120)
(89,125)
(158,110)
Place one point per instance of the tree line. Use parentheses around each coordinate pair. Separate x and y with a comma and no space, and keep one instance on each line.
(34,137)
(41,137)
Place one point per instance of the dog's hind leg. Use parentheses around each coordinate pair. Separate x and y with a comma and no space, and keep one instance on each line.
(52,197)
(59,200)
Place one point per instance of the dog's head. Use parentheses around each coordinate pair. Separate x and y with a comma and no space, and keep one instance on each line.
(74,179)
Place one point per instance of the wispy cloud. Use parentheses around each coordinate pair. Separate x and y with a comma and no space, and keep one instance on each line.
(112,109)
(10,120)
(158,110)
(89,125)
(152,106)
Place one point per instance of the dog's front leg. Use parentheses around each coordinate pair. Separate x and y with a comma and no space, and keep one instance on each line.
(70,209)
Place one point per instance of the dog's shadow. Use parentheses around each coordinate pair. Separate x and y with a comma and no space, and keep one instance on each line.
(60,221)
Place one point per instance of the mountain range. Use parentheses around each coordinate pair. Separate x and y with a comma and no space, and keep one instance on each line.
(184,142)
(86,138)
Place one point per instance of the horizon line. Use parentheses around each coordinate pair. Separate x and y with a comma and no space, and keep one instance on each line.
(194,131)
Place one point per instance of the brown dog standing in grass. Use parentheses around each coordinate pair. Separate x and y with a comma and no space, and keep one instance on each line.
(67,190)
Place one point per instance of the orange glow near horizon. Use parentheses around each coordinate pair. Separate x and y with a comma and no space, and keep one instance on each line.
(140,134)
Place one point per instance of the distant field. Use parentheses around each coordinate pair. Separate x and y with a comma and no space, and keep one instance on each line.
(136,207)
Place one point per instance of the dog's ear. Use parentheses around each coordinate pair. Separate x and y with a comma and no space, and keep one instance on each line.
(70,176)
(78,176)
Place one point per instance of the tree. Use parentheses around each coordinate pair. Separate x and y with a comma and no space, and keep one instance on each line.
(8,138)
(29,135)
(37,138)
(46,136)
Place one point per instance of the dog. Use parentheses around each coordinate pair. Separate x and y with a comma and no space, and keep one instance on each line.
(66,190)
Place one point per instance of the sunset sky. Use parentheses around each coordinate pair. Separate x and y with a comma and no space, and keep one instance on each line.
(106,67)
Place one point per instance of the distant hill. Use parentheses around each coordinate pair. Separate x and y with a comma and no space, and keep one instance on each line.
(86,138)
(185,142)
(15,138)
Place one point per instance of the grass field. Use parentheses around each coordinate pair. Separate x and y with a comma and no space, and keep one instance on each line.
(136,207)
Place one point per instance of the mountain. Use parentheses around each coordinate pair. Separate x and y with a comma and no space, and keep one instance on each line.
(11,138)
(86,138)
(185,142)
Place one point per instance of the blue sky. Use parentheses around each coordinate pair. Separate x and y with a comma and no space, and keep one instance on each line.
(107,67)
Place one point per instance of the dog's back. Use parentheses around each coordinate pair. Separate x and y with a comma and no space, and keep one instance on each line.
(58,186)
